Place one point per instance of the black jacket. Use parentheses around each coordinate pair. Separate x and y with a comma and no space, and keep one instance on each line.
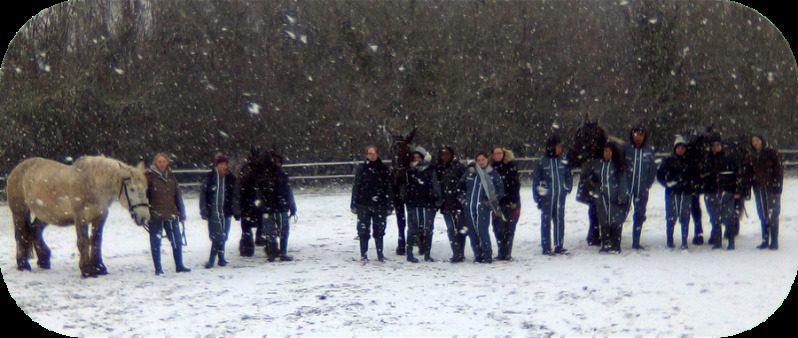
(372,186)
(677,175)
(275,194)
(423,189)
(449,178)
(508,172)
(228,196)
(722,173)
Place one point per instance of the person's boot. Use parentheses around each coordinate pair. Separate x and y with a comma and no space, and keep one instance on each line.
(246,246)
(179,267)
(774,237)
(220,254)
(379,244)
(731,243)
(409,253)
(211,259)
(364,248)
(508,249)
(284,257)
(669,233)
(400,247)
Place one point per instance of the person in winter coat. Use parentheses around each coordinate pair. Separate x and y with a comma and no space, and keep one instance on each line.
(422,200)
(611,184)
(217,203)
(279,206)
(449,170)
(481,189)
(640,160)
(767,181)
(250,212)
(166,210)
(371,201)
(551,183)
(677,175)
(722,189)
(504,229)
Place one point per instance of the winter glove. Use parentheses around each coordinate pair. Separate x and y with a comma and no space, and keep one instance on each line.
(542,190)
(182,218)
(353,210)
(294,218)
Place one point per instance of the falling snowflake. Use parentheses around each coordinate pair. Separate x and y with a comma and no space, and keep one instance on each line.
(373,47)
(119,71)
(254,108)
(291,34)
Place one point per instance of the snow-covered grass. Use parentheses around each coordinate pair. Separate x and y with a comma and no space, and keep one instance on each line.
(326,291)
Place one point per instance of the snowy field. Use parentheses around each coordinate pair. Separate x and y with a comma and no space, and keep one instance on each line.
(327,292)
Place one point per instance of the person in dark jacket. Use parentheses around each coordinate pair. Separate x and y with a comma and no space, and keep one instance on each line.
(250,213)
(767,182)
(217,203)
(422,200)
(481,189)
(279,206)
(722,189)
(551,183)
(640,160)
(166,210)
(449,170)
(677,175)
(612,196)
(504,230)
(371,201)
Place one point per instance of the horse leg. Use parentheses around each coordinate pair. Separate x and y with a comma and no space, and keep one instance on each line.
(82,230)
(96,246)
(42,251)
(21,234)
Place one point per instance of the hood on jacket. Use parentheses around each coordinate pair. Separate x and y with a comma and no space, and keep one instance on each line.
(635,129)
(438,160)
(758,135)
(426,158)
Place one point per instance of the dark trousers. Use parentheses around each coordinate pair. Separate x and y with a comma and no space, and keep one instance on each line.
(594,229)
(456,230)
(420,221)
(276,227)
(218,229)
(247,244)
(371,221)
(639,202)
(720,207)
(768,207)
(611,233)
(678,207)
(172,228)
(399,208)
(695,206)
(552,217)
(504,231)
(478,222)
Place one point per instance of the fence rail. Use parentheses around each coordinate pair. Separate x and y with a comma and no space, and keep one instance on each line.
(344,170)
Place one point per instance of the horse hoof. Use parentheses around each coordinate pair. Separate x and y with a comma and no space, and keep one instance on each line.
(43,265)
(23,266)
(88,275)
(101,270)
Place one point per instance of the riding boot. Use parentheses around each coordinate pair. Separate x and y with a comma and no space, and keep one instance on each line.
(178,255)
(774,237)
(428,250)
(378,243)
(765,238)
(364,248)
(246,247)
(220,254)
(409,252)
(508,250)
(284,249)
(669,235)
(400,247)
(731,242)
(156,261)
(421,240)
(455,244)
(212,258)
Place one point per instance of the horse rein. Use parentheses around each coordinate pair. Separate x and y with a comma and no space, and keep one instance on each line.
(131,207)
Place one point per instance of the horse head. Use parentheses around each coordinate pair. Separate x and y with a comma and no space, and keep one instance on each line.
(133,192)
(588,143)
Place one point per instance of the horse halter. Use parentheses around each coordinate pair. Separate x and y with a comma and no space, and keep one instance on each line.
(130,207)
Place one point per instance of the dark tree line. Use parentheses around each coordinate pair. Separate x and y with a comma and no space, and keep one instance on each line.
(316,79)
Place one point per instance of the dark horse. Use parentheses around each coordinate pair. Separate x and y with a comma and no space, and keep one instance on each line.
(588,145)
(257,169)
(400,163)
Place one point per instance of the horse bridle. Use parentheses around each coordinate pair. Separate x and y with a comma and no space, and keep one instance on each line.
(130,207)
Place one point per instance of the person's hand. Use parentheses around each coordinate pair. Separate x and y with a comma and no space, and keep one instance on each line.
(737,196)
(203,216)
(237,217)
(294,217)
(182,218)
(353,210)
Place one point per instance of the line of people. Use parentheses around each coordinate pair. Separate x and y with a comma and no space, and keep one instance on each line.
(268,205)
(487,190)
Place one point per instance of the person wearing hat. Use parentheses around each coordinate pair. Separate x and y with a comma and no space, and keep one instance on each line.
(449,170)
(767,179)
(551,183)
(722,189)
(167,211)
(677,175)
(641,161)
(423,199)
(219,200)
(504,229)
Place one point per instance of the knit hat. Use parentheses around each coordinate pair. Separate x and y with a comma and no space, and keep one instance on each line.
(679,140)
(219,158)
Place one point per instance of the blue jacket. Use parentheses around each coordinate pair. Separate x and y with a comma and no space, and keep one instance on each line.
(472,193)
(611,192)
(551,179)
(642,167)
(225,198)
(372,186)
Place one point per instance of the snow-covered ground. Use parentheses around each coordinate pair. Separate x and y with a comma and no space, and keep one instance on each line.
(327,292)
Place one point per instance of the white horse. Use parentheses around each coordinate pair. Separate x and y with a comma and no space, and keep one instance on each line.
(65,195)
